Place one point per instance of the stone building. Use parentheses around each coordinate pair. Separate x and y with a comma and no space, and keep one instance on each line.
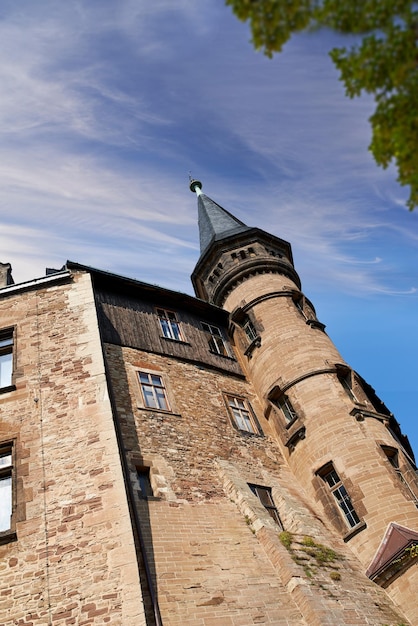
(208,461)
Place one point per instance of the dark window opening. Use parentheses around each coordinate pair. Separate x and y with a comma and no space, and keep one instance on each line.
(266,499)
(215,339)
(144,482)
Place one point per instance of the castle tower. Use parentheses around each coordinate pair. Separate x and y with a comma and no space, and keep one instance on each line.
(341,443)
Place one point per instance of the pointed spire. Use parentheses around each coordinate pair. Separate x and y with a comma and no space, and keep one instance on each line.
(215,223)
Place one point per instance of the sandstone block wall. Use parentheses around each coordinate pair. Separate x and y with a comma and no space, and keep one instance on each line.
(73,560)
(215,553)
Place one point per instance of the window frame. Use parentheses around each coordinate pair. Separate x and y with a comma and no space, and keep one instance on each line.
(158,390)
(284,404)
(169,324)
(249,329)
(271,507)
(216,340)
(243,414)
(7,335)
(348,512)
(345,376)
(392,455)
(7,472)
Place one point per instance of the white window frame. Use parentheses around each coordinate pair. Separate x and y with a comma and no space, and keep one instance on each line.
(153,390)
(241,414)
(215,338)
(335,485)
(6,357)
(6,487)
(169,324)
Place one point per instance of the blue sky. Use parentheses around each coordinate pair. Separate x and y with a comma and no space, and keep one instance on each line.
(107,106)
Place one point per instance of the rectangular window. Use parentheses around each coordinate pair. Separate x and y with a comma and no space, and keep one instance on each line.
(392,456)
(170,326)
(249,329)
(266,499)
(215,340)
(241,414)
(287,409)
(6,494)
(345,376)
(331,478)
(6,357)
(153,391)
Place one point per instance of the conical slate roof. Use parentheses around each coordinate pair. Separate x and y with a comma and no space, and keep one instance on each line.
(215,222)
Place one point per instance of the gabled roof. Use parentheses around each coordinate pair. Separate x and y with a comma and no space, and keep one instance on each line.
(394,542)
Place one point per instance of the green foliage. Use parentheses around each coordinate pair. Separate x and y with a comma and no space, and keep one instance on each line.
(413,551)
(383,62)
(286,538)
(335,576)
(308,541)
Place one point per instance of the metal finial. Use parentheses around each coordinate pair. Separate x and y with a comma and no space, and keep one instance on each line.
(195,185)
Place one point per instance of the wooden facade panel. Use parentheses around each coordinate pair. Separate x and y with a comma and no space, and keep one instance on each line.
(133,322)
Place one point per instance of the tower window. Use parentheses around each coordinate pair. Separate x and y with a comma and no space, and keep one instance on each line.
(249,329)
(392,456)
(345,376)
(286,408)
(153,391)
(241,414)
(266,499)
(336,487)
(299,301)
(169,324)
(6,357)
(215,339)
(6,487)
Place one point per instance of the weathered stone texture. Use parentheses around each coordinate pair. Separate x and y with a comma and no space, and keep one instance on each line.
(214,550)
(74,555)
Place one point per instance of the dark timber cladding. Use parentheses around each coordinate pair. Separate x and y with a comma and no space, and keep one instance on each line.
(127,311)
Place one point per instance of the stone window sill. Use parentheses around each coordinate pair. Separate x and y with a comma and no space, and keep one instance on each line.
(354,531)
(7,536)
(7,389)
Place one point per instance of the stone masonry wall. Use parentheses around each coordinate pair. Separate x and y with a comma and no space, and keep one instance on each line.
(73,561)
(215,553)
